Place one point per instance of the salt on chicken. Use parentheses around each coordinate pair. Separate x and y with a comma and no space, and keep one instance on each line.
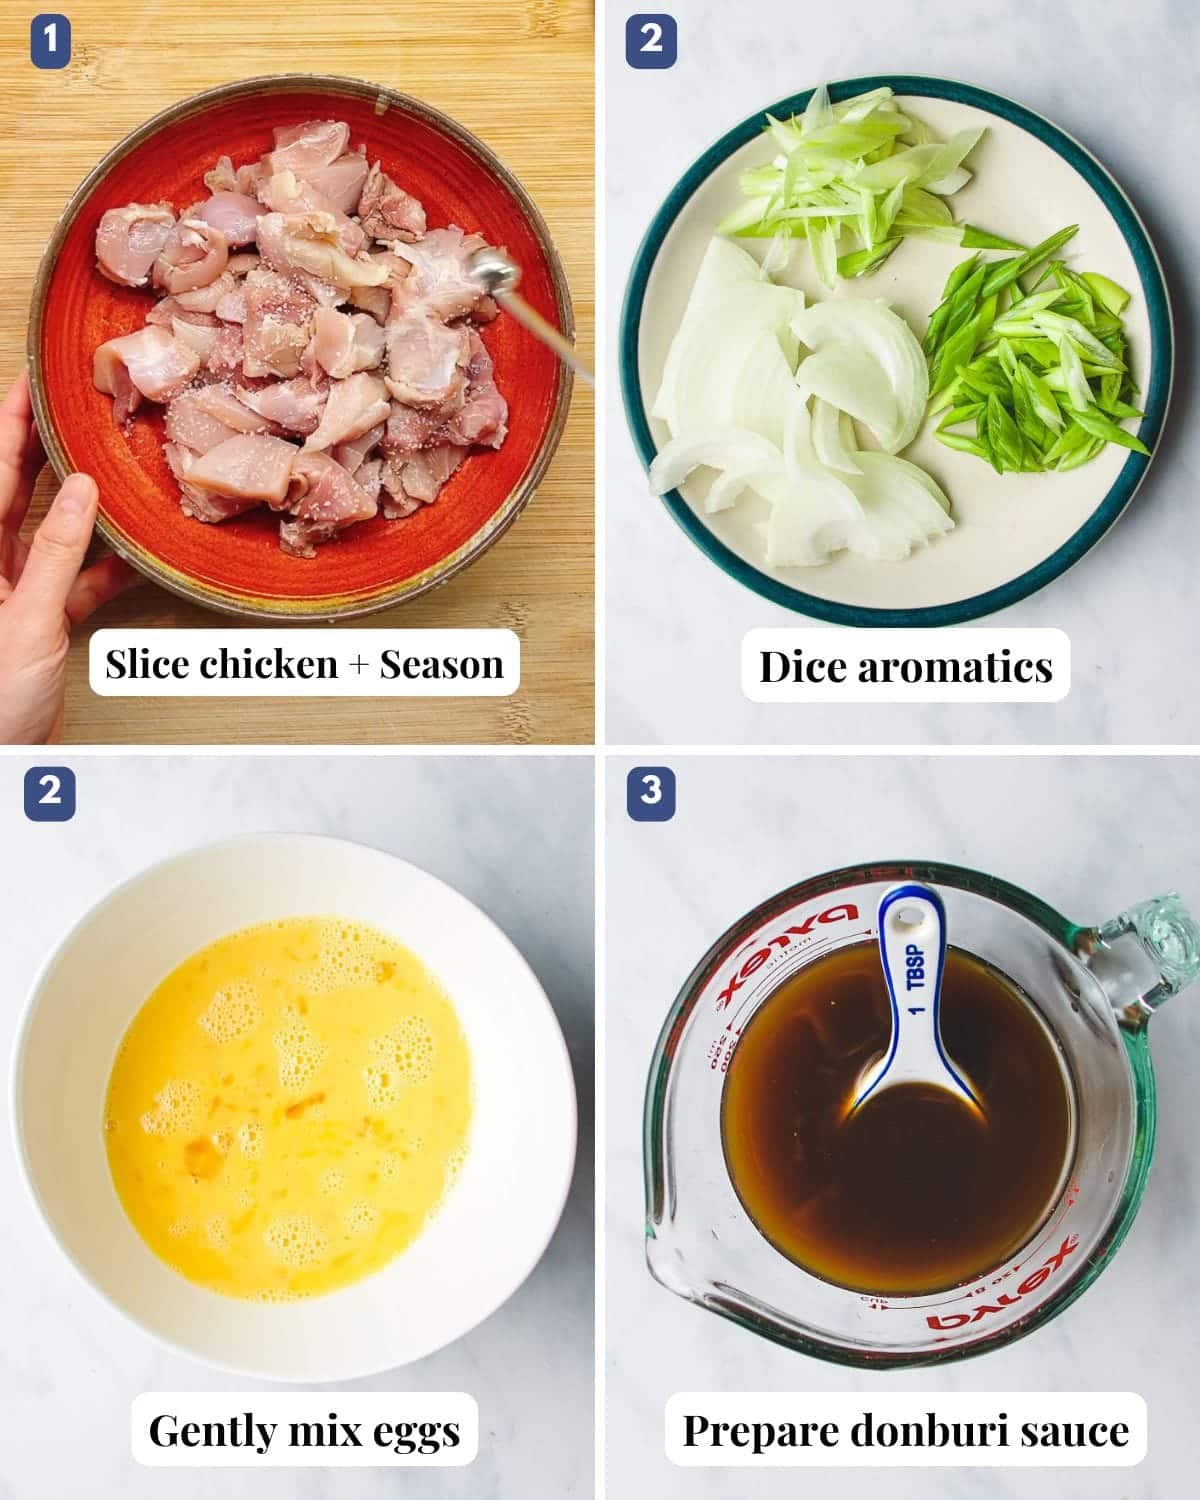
(314,344)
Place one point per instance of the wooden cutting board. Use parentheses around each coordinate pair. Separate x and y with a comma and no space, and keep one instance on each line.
(516,72)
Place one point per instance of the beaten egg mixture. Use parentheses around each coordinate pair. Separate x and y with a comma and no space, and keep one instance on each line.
(288,1108)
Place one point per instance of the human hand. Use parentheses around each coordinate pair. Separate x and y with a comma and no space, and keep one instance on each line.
(44,587)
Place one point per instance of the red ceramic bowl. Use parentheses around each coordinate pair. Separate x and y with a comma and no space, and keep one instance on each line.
(238,566)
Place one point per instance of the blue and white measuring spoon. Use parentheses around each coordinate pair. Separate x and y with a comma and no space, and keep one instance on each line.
(912,948)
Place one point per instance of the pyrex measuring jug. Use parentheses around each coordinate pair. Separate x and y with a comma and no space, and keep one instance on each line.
(1095,988)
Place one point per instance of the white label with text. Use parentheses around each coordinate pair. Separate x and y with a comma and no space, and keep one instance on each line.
(967,665)
(305,663)
(305,1430)
(922,1429)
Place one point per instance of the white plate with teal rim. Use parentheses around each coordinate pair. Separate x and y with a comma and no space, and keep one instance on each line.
(1015,533)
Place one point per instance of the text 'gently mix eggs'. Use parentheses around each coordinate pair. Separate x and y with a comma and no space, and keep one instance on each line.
(288,1108)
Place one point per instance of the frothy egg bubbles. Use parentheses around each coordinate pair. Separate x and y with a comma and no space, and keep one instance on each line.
(177,1108)
(288,1109)
(232,1012)
(297,1240)
(250,1139)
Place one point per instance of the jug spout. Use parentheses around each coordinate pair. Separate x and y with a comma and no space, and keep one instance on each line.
(1143,956)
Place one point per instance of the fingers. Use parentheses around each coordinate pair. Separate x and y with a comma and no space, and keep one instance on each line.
(97,585)
(56,553)
(18,404)
(20,452)
(31,464)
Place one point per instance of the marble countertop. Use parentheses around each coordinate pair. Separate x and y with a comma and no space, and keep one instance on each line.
(512,834)
(1091,836)
(1118,78)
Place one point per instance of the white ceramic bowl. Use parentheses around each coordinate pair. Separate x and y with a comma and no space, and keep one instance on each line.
(496,1221)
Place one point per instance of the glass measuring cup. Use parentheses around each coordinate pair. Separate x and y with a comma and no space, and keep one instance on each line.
(1095,988)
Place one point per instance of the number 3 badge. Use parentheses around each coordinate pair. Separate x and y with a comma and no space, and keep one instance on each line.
(650,794)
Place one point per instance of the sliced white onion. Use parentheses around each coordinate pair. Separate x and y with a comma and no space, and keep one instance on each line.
(888,467)
(904,511)
(797,436)
(704,367)
(868,328)
(829,440)
(850,379)
(813,515)
(725,265)
(736,396)
(764,391)
(739,455)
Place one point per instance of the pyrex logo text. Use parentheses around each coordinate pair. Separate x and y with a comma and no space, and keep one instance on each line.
(781,941)
(1007,1299)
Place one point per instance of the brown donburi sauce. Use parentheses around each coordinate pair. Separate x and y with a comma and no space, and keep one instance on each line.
(913,1192)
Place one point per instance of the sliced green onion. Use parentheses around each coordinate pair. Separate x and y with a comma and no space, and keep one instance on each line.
(1041,370)
(863,171)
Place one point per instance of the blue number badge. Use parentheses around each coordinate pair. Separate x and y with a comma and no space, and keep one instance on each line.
(651,41)
(50,41)
(650,794)
(50,794)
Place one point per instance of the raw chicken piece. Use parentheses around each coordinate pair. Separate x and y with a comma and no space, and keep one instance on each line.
(188,426)
(129,240)
(322,293)
(224,179)
(322,490)
(277,327)
(157,364)
(168,312)
(387,211)
(426,472)
(343,343)
(311,242)
(202,337)
(439,280)
(228,356)
(239,265)
(232,307)
(394,504)
(126,396)
(247,177)
(285,193)
(219,401)
(354,406)
(369,342)
(249,466)
(426,361)
(483,416)
(194,256)
(369,478)
(221,178)
(332,345)
(203,506)
(198,504)
(353,454)
(416,479)
(341,182)
(323,499)
(301,148)
(409,430)
(295,405)
(376,300)
(204,298)
(234,214)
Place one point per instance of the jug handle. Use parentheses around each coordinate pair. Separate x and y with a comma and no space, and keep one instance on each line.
(1143,956)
